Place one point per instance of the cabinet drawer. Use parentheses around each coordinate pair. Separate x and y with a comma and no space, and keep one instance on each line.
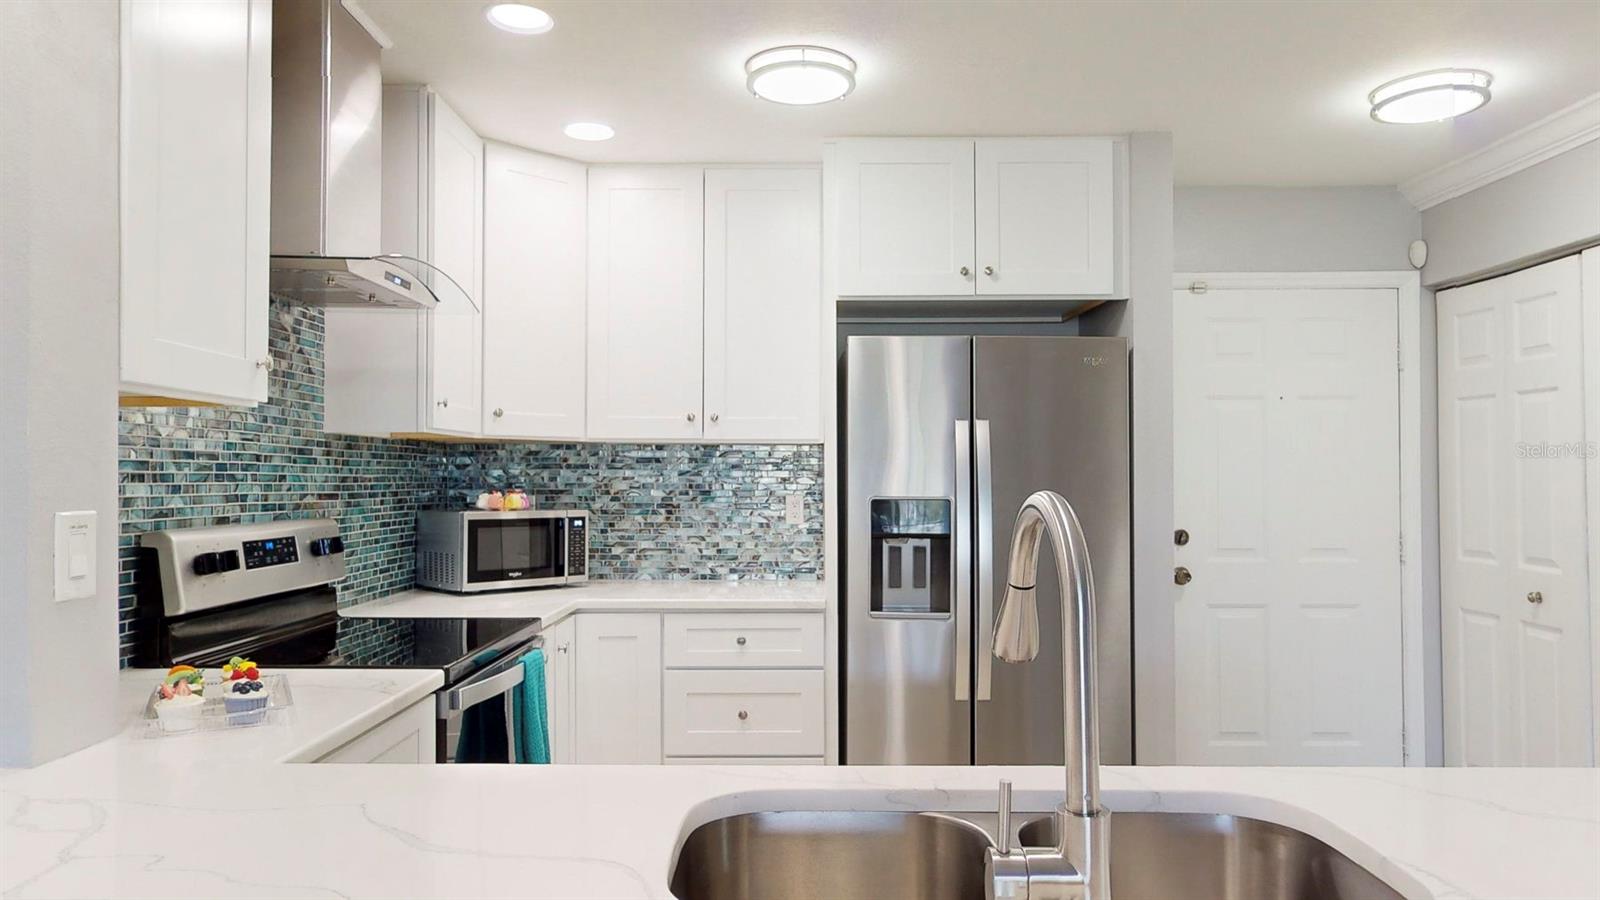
(742,713)
(743,761)
(742,640)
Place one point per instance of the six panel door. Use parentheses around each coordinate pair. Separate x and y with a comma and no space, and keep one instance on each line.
(1514,578)
(1286,437)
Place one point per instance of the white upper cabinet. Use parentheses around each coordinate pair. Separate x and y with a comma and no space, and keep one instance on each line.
(1045,216)
(403,372)
(196,144)
(1000,217)
(645,302)
(905,217)
(533,294)
(763,304)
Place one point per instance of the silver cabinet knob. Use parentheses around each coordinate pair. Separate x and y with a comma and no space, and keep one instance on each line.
(1182,576)
(743,715)
(715,418)
(988,270)
(691,417)
(266,364)
(965,271)
(739,640)
(562,647)
(1536,597)
(499,413)
(444,402)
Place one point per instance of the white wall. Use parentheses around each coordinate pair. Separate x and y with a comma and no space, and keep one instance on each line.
(58,367)
(1260,229)
(1539,213)
(1146,320)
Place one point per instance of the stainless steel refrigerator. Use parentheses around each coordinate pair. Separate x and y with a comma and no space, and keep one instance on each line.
(943,439)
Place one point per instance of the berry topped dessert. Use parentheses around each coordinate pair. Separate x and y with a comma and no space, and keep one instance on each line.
(243,692)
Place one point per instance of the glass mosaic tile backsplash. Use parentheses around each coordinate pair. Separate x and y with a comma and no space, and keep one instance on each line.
(660,511)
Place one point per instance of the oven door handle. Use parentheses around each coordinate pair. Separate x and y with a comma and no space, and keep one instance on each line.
(486,687)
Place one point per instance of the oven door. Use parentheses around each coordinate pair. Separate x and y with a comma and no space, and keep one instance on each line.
(515,552)
(477,718)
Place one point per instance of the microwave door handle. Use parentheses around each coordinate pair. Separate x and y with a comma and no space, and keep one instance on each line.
(487,688)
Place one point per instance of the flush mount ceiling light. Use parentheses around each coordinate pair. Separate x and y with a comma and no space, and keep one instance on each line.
(519,18)
(1431,96)
(800,75)
(589,131)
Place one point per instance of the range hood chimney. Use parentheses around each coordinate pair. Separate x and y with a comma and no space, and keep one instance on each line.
(327,165)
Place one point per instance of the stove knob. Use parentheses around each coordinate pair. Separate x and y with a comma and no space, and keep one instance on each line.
(208,564)
(228,561)
(327,546)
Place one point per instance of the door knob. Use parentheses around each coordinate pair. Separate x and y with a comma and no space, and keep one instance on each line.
(1181,575)
(965,271)
(988,270)
(1535,597)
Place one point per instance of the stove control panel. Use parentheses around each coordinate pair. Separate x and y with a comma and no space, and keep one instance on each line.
(204,568)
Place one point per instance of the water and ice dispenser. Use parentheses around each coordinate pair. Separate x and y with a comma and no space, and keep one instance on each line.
(911,557)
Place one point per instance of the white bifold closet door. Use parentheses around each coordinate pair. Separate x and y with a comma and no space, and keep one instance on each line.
(1514,580)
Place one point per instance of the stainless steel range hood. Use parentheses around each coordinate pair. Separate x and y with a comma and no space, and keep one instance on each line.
(327,165)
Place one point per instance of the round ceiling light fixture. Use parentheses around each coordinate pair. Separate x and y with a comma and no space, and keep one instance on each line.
(1431,96)
(519,18)
(800,75)
(589,131)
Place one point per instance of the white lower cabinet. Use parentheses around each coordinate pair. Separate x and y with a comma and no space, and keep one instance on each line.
(686,688)
(408,737)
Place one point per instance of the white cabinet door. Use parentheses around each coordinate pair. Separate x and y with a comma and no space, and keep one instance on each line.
(410,736)
(763,304)
(749,712)
(1045,215)
(645,302)
(1286,437)
(455,339)
(619,688)
(196,146)
(1514,581)
(905,217)
(560,654)
(534,210)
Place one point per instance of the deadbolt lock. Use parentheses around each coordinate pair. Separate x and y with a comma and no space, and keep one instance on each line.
(1180,537)
(1181,575)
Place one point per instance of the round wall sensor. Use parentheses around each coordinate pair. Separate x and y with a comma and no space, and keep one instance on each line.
(1418,251)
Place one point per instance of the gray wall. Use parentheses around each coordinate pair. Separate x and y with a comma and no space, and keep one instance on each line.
(1539,213)
(58,368)
(1146,320)
(1261,229)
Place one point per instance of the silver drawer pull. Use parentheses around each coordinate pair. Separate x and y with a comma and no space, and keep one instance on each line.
(743,714)
(473,693)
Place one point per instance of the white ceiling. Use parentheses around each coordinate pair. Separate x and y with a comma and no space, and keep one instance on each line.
(1263,93)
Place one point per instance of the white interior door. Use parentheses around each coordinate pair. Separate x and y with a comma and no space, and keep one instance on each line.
(763,312)
(1514,584)
(1286,434)
(533,294)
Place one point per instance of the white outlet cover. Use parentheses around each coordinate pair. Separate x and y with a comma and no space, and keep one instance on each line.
(75,556)
(794,509)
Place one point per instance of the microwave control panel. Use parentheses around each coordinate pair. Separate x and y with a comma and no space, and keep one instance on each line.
(577,545)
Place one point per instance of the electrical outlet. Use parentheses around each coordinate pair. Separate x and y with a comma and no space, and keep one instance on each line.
(794,509)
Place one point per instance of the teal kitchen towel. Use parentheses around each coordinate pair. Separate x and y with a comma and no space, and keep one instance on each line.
(533,714)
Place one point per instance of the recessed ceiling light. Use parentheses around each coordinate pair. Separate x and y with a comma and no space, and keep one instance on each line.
(1431,96)
(589,131)
(519,18)
(800,75)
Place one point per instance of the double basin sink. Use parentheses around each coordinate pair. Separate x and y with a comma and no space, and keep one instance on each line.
(936,856)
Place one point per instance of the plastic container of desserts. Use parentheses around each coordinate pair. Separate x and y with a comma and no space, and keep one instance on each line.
(213,714)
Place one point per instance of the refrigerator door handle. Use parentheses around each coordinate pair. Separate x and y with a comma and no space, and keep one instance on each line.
(985,572)
(963,566)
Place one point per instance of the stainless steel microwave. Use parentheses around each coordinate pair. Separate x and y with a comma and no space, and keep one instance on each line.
(477,550)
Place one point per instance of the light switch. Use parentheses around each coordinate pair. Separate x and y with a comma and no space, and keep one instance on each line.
(75,555)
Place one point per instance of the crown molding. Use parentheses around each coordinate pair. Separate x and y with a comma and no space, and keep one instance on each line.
(1553,135)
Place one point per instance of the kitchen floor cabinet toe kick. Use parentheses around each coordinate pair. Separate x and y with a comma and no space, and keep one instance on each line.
(723,688)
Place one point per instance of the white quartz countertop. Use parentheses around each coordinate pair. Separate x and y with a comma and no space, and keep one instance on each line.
(101,823)
(554,604)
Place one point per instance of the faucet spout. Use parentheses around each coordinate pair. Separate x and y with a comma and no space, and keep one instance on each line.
(1081,822)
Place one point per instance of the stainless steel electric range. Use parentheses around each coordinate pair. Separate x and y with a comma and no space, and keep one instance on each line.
(265,591)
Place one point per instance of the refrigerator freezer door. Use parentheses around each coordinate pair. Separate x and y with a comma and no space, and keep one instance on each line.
(1057,414)
(906,691)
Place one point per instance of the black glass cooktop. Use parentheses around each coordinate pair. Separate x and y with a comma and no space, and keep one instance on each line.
(459,646)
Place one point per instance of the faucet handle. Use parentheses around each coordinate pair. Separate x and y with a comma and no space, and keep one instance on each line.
(1002,839)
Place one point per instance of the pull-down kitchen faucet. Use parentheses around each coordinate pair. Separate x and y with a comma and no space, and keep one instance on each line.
(1078,867)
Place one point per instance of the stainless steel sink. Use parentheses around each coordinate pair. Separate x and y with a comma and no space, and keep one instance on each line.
(832,856)
(929,856)
(1212,857)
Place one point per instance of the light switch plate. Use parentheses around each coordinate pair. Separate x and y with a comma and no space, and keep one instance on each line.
(794,509)
(75,561)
